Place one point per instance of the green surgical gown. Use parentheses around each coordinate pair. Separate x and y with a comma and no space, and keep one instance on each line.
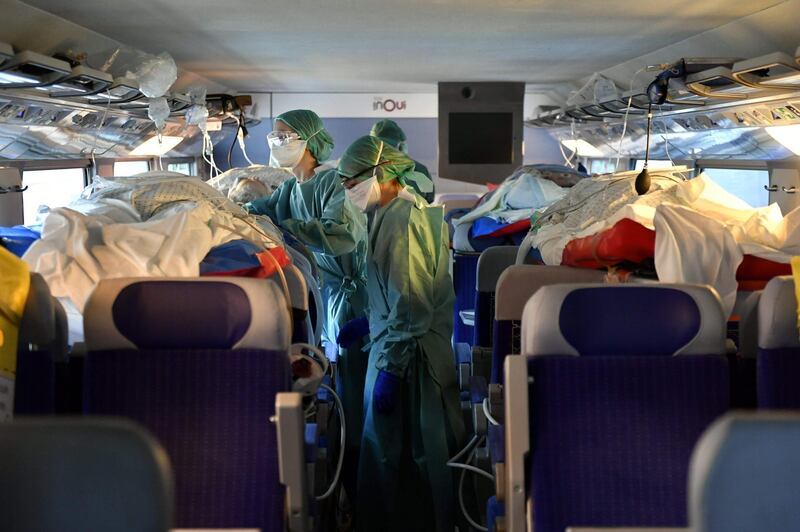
(404,482)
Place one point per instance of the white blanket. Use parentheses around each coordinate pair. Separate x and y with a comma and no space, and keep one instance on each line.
(516,199)
(110,238)
(702,231)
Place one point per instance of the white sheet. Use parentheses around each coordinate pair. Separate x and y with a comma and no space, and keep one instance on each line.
(696,249)
(516,199)
(146,228)
(702,231)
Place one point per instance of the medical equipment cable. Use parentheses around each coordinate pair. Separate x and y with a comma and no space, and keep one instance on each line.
(486,413)
(204,153)
(233,142)
(342,439)
(160,155)
(240,138)
(255,227)
(473,469)
(627,112)
(642,183)
(453,461)
(461,503)
(465,450)
(664,137)
(208,149)
(97,130)
(322,359)
(310,411)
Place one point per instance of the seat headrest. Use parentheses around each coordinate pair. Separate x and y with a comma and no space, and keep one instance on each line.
(187,313)
(83,474)
(38,326)
(748,324)
(745,474)
(518,283)
(61,343)
(623,320)
(491,264)
(777,315)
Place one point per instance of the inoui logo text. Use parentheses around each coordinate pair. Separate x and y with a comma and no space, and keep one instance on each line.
(388,105)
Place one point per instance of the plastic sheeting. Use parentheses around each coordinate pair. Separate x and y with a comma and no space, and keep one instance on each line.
(271,177)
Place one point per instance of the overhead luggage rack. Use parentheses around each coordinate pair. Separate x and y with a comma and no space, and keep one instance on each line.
(122,90)
(775,71)
(6,52)
(718,93)
(29,70)
(620,106)
(83,81)
(718,83)
(177,103)
(598,111)
(581,115)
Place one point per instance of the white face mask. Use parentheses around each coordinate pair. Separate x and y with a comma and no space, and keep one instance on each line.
(285,151)
(365,195)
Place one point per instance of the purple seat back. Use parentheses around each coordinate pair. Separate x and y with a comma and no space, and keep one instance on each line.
(42,343)
(515,286)
(778,362)
(624,381)
(197,362)
(465,267)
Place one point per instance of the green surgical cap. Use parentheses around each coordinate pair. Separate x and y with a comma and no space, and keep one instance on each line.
(389,132)
(369,152)
(309,127)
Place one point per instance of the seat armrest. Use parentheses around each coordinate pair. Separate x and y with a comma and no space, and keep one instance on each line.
(290,422)
(496,409)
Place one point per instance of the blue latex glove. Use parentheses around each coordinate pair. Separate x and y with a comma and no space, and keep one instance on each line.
(384,395)
(353,331)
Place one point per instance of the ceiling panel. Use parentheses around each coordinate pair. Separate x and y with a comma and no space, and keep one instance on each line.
(398,45)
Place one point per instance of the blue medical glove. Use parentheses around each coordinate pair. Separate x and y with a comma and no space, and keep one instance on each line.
(352,331)
(384,395)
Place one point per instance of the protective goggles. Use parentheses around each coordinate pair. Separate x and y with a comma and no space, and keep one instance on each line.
(282,136)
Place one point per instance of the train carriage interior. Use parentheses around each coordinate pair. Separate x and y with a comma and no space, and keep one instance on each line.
(421,265)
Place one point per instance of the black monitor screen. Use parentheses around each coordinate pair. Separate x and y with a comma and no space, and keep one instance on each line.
(481,138)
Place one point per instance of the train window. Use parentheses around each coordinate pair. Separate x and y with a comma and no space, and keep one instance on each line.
(602,166)
(127,168)
(181,168)
(55,188)
(745,184)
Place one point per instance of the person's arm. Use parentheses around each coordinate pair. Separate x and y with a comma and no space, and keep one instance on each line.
(337,231)
(276,205)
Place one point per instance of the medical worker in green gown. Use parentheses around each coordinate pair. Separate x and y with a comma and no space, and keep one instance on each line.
(412,422)
(391,133)
(313,207)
